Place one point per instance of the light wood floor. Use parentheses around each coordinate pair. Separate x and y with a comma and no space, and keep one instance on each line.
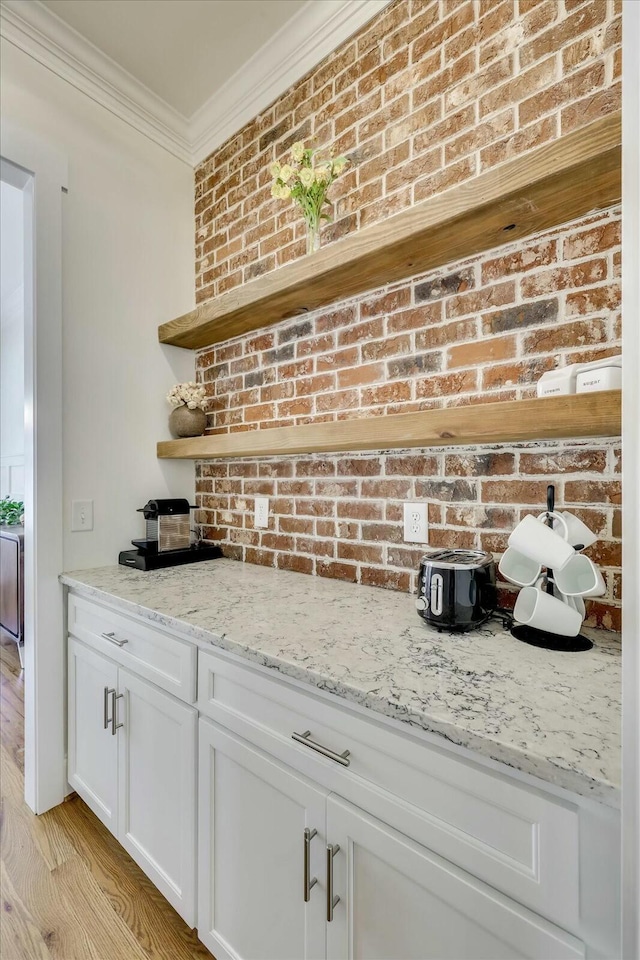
(68,891)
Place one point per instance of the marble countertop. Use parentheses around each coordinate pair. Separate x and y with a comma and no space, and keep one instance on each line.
(556,716)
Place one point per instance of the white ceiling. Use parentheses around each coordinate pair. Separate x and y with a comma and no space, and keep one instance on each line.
(182,50)
(188,74)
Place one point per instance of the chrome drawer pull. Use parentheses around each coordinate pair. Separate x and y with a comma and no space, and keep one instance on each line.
(305,738)
(114,711)
(331,900)
(308,884)
(111,637)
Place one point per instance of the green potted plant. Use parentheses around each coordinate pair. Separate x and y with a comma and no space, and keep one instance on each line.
(11,512)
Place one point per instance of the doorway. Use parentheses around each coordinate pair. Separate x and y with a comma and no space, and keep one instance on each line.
(32,177)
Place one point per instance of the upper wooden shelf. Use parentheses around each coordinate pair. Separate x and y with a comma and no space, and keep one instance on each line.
(547,418)
(544,188)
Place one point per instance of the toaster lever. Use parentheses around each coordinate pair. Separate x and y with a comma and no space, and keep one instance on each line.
(436,594)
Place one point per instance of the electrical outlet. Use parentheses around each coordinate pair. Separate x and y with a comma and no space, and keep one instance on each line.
(261,512)
(415,523)
(81,515)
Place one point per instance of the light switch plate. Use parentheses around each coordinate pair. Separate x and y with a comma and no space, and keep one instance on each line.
(81,515)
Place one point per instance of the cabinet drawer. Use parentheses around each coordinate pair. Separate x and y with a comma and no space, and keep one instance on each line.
(159,657)
(516,838)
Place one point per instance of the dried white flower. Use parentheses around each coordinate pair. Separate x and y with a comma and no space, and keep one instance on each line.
(192,394)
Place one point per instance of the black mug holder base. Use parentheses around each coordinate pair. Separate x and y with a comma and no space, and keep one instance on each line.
(551,641)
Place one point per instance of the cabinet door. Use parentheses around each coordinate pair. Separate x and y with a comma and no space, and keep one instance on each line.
(397,899)
(157,788)
(92,748)
(253,812)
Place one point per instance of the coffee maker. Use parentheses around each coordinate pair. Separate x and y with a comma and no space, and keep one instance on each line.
(168,538)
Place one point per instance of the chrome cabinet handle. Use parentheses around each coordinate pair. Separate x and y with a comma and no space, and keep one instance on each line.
(308,884)
(114,712)
(111,637)
(105,707)
(332,900)
(305,738)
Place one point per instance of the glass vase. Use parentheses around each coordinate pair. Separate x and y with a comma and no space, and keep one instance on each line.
(313,236)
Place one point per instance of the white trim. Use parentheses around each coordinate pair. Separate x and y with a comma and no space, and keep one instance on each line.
(318,28)
(42,35)
(631,480)
(43,175)
(307,38)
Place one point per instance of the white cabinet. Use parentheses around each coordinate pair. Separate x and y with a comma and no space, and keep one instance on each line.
(398,899)
(132,755)
(92,749)
(378,895)
(254,902)
(156,788)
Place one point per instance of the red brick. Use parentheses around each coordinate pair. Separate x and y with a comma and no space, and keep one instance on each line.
(411,465)
(481,352)
(476,301)
(360,552)
(593,491)
(360,510)
(388,579)
(581,333)
(526,257)
(387,393)
(596,240)
(288,561)
(385,532)
(360,467)
(337,571)
(562,278)
(370,330)
(389,489)
(514,492)
(440,385)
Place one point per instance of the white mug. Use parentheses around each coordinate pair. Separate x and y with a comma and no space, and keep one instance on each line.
(519,569)
(545,612)
(576,602)
(580,577)
(578,532)
(536,540)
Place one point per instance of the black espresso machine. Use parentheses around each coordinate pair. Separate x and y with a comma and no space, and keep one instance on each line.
(456,589)
(168,538)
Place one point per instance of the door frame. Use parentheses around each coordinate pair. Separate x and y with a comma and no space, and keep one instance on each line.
(631,480)
(42,174)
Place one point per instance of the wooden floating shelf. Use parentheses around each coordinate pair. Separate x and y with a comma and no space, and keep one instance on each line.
(542,189)
(546,418)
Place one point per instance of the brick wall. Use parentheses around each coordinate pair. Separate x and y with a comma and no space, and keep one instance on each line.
(429,94)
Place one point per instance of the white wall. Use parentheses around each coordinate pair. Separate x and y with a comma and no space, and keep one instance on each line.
(127,266)
(11,342)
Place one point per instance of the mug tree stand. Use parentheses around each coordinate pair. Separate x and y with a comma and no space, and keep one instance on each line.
(544,638)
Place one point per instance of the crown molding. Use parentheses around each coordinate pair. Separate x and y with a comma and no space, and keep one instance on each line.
(314,32)
(38,32)
(307,38)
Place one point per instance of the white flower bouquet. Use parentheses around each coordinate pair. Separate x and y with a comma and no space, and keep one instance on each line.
(191,394)
(306,180)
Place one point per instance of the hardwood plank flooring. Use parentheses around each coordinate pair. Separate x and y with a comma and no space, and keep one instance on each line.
(68,890)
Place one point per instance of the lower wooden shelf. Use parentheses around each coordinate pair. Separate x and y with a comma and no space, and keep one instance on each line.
(546,418)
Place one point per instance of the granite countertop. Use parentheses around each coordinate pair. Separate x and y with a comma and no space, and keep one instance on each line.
(556,716)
